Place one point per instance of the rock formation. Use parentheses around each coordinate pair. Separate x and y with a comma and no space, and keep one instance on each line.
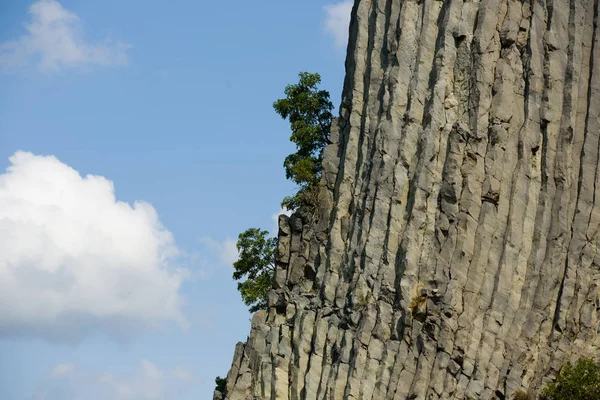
(454,254)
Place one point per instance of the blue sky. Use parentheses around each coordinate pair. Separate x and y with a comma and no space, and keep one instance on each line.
(137,139)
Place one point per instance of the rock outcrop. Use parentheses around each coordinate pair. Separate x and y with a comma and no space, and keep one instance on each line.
(454,254)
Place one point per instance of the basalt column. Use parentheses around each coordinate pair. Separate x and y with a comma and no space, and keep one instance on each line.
(454,252)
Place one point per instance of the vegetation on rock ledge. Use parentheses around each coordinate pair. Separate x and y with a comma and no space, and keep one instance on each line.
(308,109)
(257,265)
(221,385)
(579,382)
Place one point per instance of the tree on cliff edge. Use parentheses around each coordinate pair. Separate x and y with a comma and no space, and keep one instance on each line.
(308,110)
(257,265)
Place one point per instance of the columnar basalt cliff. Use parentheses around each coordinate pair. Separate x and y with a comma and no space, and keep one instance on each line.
(454,253)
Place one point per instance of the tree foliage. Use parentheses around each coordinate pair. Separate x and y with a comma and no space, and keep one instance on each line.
(579,382)
(256,265)
(308,110)
(221,384)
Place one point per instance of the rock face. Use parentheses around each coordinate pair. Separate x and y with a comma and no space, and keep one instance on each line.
(454,254)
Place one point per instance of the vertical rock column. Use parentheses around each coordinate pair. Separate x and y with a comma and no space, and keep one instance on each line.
(454,252)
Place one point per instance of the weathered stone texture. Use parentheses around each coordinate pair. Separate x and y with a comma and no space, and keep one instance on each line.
(454,255)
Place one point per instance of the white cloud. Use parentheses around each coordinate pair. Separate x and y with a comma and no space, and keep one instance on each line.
(61,370)
(338,21)
(226,250)
(148,382)
(150,370)
(74,260)
(54,41)
(181,374)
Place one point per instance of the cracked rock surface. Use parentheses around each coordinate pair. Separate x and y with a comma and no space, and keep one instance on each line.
(454,253)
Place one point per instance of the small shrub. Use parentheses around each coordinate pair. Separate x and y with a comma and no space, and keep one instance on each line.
(363,302)
(221,384)
(522,395)
(579,382)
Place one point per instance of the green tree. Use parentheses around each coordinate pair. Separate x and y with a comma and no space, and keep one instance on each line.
(256,264)
(308,110)
(221,384)
(581,382)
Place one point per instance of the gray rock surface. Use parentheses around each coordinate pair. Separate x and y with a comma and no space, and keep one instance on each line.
(454,255)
